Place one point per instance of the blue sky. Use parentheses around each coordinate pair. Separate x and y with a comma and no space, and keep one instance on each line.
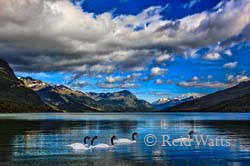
(154,48)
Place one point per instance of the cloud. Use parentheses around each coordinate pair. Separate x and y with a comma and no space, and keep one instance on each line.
(228,52)
(159,94)
(165,94)
(191,4)
(191,94)
(230,65)
(209,77)
(156,71)
(79,84)
(117,79)
(101,69)
(78,2)
(212,56)
(163,58)
(237,78)
(120,82)
(231,80)
(160,81)
(56,35)
(118,86)
(198,84)
(195,78)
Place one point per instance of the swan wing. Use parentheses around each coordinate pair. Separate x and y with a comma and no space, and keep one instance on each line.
(77,146)
(124,141)
(101,146)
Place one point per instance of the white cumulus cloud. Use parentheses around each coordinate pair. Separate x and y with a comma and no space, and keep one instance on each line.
(212,56)
(230,65)
(56,35)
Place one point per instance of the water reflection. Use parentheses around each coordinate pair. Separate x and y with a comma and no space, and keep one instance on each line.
(43,142)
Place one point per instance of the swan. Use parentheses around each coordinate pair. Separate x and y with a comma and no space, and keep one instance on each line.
(80,146)
(102,145)
(125,141)
(189,139)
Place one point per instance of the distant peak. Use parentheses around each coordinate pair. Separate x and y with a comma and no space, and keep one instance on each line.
(32,83)
(245,83)
(6,67)
(28,78)
(125,92)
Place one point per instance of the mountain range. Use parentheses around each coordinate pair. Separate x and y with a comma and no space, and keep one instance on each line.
(62,98)
(164,103)
(31,95)
(234,99)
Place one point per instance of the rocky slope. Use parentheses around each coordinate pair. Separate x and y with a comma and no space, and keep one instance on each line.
(62,98)
(14,96)
(123,101)
(232,99)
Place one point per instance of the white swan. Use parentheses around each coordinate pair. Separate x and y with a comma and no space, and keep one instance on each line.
(189,139)
(102,145)
(80,146)
(125,141)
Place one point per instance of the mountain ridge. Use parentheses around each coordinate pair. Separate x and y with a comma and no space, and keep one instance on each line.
(216,102)
(164,103)
(14,96)
(64,99)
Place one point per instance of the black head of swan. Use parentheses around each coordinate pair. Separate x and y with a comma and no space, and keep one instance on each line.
(191,133)
(85,139)
(112,140)
(133,136)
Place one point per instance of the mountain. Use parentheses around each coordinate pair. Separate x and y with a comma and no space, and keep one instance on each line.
(62,98)
(14,96)
(123,101)
(232,99)
(164,103)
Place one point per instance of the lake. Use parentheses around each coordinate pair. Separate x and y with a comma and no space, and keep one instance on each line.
(41,139)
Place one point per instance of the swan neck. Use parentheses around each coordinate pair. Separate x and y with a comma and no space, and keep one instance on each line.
(133,137)
(92,141)
(85,140)
(112,141)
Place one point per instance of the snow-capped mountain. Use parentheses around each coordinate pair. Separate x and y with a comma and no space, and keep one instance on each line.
(164,103)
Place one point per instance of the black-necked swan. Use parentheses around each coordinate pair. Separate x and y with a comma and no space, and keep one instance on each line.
(124,141)
(102,145)
(190,138)
(80,146)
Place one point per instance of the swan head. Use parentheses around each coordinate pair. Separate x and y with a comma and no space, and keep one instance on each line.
(85,139)
(93,139)
(112,140)
(191,133)
(133,135)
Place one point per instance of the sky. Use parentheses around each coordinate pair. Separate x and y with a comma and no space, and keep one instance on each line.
(153,48)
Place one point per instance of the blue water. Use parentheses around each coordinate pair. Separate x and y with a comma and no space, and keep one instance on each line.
(41,139)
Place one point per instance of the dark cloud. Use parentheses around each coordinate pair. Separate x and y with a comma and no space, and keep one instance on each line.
(55,35)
